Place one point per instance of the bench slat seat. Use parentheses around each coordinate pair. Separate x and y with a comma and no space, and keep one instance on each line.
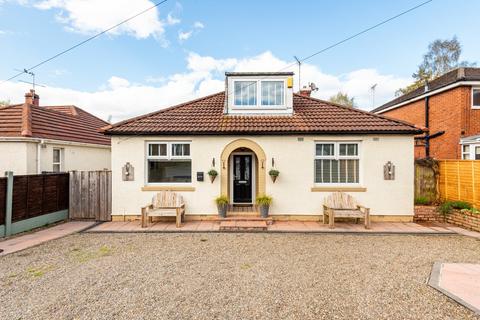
(342,205)
(164,204)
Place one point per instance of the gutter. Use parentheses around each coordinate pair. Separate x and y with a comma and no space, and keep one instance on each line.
(52,141)
(430,93)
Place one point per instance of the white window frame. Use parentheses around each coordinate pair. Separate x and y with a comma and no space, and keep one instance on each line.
(336,156)
(258,85)
(471,152)
(474,89)
(60,157)
(168,157)
(466,153)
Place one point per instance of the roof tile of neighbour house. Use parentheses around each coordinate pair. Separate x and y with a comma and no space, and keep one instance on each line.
(66,123)
(460,74)
(206,116)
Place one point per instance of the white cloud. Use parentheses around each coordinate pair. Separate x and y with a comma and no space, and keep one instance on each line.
(122,99)
(91,16)
(185,35)
(172,20)
(198,25)
(182,36)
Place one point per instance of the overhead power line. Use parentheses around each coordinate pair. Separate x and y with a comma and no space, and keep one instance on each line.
(84,41)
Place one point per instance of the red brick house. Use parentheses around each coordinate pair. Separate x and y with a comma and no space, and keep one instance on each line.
(449,108)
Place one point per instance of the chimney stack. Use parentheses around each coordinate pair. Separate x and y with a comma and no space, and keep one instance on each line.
(32,98)
(305,91)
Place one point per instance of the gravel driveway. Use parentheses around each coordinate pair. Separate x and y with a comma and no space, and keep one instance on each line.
(231,276)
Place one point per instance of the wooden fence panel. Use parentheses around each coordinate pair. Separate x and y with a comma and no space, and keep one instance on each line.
(3,199)
(425,182)
(460,180)
(91,195)
(39,194)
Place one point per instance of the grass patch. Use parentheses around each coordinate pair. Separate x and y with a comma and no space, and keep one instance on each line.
(82,256)
(422,201)
(37,272)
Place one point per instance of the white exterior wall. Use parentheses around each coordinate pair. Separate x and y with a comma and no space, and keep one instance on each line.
(294,159)
(13,157)
(21,156)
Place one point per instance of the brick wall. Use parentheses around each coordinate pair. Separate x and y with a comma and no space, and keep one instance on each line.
(427,214)
(450,111)
(465,220)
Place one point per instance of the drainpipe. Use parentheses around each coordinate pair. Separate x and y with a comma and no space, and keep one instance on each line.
(427,116)
(39,156)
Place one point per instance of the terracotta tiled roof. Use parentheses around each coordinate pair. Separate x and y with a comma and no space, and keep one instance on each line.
(205,116)
(66,123)
(460,74)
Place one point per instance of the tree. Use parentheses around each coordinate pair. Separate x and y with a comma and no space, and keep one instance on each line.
(4,103)
(343,99)
(442,56)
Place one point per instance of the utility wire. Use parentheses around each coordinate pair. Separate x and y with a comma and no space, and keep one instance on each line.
(84,41)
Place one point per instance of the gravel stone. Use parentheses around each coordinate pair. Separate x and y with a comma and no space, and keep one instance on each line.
(232,276)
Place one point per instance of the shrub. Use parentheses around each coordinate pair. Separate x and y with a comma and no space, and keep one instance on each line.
(460,205)
(422,200)
(264,200)
(445,208)
(221,200)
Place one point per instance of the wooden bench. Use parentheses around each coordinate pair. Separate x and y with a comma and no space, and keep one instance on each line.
(164,204)
(342,205)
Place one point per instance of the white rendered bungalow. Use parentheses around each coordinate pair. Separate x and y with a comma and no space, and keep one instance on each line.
(256,125)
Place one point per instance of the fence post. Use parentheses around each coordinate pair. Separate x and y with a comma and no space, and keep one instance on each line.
(9,204)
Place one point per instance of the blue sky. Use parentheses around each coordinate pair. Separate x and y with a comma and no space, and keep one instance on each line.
(149,56)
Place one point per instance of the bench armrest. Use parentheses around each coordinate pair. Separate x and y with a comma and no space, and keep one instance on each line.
(362,208)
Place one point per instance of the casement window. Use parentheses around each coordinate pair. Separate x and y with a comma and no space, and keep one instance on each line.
(169,162)
(273,93)
(259,93)
(476,98)
(466,152)
(57,160)
(337,163)
(245,93)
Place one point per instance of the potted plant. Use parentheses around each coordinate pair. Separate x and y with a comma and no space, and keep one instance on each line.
(212,174)
(274,174)
(264,203)
(222,205)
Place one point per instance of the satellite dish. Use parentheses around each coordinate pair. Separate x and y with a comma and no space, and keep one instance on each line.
(313,86)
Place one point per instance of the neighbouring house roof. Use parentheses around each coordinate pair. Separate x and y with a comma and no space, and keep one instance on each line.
(457,75)
(66,123)
(206,116)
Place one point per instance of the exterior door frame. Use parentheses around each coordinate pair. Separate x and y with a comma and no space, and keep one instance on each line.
(254,176)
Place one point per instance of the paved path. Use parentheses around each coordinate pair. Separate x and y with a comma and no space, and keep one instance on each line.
(459,281)
(278,226)
(22,242)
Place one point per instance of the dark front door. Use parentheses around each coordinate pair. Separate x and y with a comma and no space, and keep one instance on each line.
(242,178)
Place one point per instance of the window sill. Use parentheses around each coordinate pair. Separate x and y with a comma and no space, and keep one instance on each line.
(168,188)
(338,188)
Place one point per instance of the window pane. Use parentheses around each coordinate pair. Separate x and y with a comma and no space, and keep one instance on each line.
(477,153)
(56,155)
(348,149)
(157,149)
(180,149)
(272,93)
(337,171)
(245,93)
(56,168)
(169,171)
(476,97)
(324,149)
(466,148)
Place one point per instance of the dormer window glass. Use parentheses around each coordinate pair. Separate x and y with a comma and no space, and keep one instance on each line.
(245,93)
(273,93)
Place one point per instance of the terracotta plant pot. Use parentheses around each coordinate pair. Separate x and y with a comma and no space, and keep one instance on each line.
(274,178)
(212,178)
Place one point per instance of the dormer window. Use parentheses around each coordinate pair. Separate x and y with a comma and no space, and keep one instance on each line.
(245,93)
(273,93)
(259,93)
